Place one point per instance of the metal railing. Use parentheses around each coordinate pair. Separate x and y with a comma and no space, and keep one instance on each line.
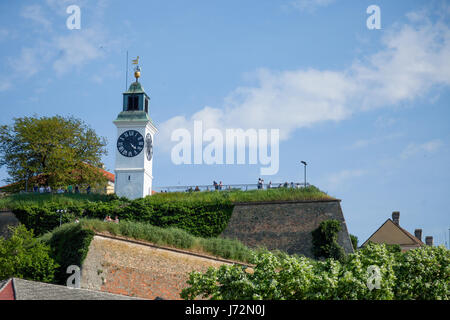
(224,187)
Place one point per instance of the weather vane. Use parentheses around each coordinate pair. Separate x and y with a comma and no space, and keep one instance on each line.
(137,70)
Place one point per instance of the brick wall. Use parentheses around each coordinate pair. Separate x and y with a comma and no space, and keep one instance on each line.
(284,225)
(139,270)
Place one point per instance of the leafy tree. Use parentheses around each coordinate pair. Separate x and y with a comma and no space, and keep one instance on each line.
(55,151)
(354,240)
(424,274)
(325,244)
(24,256)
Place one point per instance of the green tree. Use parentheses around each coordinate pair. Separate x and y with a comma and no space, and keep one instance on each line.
(354,240)
(325,244)
(23,256)
(424,274)
(54,151)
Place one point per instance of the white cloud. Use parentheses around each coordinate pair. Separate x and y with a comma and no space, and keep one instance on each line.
(335,180)
(414,58)
(5,85)
(362,143)
(27,63)
(77,49)
(35,14)
(425,148)
(384,122)
(310,5)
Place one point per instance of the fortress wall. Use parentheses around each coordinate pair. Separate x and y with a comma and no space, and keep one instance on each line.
(285,225)
(140,270)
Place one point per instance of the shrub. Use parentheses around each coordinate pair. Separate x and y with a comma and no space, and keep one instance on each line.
(354,240)
(325,244)
(422,273)
(24,256)
(69,246)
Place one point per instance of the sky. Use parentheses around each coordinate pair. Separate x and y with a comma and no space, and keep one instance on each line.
(367,109)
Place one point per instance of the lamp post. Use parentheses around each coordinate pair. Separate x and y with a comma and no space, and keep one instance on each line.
(60,215)
(305,170)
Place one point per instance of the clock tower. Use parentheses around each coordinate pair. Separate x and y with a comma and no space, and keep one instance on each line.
(134,145)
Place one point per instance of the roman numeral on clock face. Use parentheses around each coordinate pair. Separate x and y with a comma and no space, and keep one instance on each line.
(130,143)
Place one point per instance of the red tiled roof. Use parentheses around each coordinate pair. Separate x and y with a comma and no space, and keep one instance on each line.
(108,175)
(7,290)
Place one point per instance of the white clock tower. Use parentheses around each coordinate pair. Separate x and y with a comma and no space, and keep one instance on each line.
(134,146)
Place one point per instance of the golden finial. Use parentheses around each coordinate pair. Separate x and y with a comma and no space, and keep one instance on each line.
(137,70)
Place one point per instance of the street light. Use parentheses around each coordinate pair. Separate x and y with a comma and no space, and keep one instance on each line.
(60,215)
(305,170)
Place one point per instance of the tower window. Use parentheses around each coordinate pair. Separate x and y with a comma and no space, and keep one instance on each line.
(146,105)
(133,103)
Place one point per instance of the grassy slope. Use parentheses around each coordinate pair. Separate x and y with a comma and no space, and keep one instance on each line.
(277,194)
(171,237)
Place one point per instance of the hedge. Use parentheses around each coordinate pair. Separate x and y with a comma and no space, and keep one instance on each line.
(202,219)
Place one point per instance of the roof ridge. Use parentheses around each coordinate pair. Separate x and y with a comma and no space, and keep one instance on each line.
(62,286)
(415,239)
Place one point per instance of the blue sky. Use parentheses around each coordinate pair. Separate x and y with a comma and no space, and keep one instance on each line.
(367,109)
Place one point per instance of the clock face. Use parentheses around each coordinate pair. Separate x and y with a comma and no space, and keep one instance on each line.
(149,146)
(130,143)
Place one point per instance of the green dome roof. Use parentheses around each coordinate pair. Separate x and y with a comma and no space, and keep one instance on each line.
(135,87)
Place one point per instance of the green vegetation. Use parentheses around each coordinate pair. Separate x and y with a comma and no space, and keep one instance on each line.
(325,240)
(354,240)
(69,246)
(70,243)
(23,256)
(275,194)
(420,274)
(203,214)
(55,151)
(172,237)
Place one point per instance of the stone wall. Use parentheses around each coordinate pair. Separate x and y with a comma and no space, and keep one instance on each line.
(286,225)
(140,269)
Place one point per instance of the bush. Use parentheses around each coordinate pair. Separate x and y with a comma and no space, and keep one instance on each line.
(69,246)
(325,244)
(202,219)
(354,240)
(25,257)
(422,273)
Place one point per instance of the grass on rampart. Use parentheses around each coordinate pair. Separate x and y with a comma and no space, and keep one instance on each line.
(230,196)
(170,237)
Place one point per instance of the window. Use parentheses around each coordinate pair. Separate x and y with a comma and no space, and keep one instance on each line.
(146,105)
(133,103)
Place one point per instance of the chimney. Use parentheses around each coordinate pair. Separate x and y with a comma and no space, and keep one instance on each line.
(429,240)
(396,217)
(418,234)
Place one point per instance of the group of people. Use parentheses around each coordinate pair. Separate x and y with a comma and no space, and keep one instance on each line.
(108,219)
(261,183)
(70,189)
(217,186)
(284,185)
